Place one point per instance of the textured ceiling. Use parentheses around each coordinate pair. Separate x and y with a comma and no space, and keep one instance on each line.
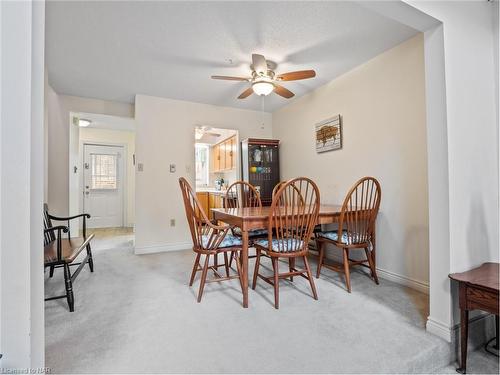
(115,50)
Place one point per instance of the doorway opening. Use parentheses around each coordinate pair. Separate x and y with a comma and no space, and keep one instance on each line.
(217,164)
(103,178)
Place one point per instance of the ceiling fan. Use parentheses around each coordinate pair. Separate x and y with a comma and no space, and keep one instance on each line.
(200,131)
(264,80)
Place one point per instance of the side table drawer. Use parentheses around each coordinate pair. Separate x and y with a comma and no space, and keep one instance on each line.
(482,299)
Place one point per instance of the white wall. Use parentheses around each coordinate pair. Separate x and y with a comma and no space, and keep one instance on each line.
(165,135)
(99,136)
(382,104)
(468,38)
(21,184)
(59,166)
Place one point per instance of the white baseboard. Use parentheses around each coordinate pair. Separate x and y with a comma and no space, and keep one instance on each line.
(403,280)
(439,329)
(451,334)
(164,247)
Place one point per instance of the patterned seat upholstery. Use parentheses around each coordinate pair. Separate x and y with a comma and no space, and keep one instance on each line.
(282,246)
(333,236)
(228,241)
(346,238)
(252,233)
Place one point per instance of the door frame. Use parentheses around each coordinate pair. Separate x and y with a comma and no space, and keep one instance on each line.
(125,176)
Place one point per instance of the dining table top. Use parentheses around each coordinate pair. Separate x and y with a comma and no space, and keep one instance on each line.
(259,213)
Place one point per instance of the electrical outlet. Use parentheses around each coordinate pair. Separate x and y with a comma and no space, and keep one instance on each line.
(140,167)
(172,168)
(172,222)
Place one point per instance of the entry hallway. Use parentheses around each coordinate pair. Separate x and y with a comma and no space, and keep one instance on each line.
(136,314)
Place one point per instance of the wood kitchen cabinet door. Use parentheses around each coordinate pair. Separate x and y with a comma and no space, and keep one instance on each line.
(214,201)
(203,198)
(223,158)
(216,154)
(234,152)
(228,151)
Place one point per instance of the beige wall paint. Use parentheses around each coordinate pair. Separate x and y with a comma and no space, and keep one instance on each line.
(99,136)
(165,135)
(382,104)
(59,108)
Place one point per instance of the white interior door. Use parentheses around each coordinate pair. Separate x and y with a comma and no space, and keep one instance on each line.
(103,185)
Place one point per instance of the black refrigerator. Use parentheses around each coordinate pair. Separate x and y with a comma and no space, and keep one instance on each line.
(261,166)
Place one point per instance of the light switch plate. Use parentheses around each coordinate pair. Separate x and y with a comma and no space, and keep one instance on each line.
(172,168)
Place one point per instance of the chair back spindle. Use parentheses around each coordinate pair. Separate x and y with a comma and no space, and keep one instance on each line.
(359,211)
(242,194)
(293,215)
(48,236)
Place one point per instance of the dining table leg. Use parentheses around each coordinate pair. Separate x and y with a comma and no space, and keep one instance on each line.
(244,266)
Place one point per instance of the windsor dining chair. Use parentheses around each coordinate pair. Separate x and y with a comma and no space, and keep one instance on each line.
(209,240)
(292,216)
(242,194)
(356,229)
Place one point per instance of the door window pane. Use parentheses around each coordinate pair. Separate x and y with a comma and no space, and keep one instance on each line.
(103,171)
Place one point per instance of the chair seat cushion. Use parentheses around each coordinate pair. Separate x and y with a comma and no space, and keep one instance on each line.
(333,236)
(251,233)
(70,249)
(228,241)
(281,246)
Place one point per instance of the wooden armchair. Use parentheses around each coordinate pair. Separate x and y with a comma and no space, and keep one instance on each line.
(209,239)
(62,252)
(356,229)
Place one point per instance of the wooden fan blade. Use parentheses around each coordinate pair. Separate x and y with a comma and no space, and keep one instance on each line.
(259,64)
(230,78)
(295,76)
(246,93)
(281,91)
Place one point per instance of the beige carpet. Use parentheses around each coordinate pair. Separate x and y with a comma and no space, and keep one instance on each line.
(136,314)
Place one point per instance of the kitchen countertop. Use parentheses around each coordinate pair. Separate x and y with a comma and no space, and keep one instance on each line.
(210,190)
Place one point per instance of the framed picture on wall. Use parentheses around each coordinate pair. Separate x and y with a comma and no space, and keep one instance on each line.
(329,134)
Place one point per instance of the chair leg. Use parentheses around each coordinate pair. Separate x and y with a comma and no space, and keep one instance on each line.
(203,277)
(291,266)
(238,269)
(91,261)
(195,268)
(321,248)
(69,288)
(216,263)
(226,264)
(51,272)
(372,266)
(346,270)
(256,270)
(231,259)
(276,283)
(310,278)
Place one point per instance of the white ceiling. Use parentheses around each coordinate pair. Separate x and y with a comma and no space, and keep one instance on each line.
(114,50)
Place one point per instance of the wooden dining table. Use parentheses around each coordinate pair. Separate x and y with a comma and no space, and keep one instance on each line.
(250,218)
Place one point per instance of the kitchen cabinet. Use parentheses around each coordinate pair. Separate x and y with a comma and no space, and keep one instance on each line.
(204,200)
(216,157)
(215,200)
(224,155)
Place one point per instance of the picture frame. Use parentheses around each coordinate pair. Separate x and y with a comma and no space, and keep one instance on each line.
(329,134)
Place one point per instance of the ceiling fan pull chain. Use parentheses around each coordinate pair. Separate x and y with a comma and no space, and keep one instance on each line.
(262,110)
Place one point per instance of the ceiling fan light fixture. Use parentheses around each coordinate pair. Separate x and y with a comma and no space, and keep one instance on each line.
(262,88)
